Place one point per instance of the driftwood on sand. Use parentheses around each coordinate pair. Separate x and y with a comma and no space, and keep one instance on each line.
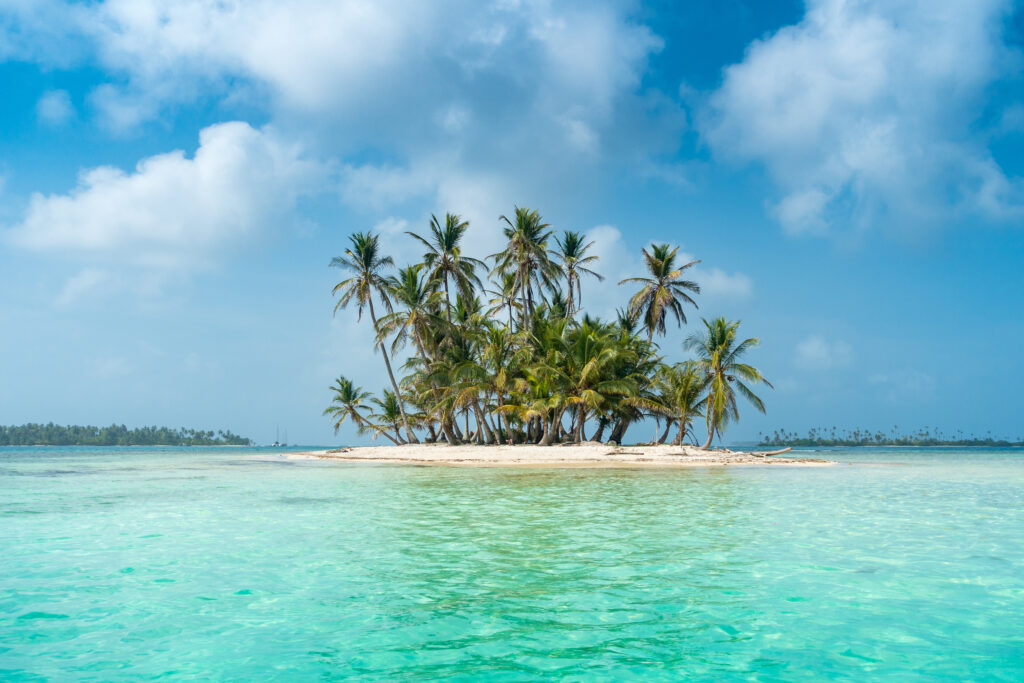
(762,454)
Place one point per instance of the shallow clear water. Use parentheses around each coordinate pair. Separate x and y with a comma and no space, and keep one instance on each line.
(232,565)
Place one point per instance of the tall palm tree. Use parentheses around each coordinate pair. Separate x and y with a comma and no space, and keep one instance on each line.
(572,255)
(364,259)
(718,354)
(444,257)
(663,292)
(526,255)
(347,403)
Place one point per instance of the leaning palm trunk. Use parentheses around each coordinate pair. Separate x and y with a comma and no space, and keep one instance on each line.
(509,434)
(681,434)
(482,426)
(711,430)
(391,375)
(449,433)
(664,434)
(551,428)
(620,430)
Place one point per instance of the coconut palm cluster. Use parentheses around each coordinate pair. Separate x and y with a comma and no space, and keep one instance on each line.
(501,350)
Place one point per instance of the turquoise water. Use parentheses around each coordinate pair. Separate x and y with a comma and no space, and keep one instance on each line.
(232,565)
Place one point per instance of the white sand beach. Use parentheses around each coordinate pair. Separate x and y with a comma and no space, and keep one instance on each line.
(592,454)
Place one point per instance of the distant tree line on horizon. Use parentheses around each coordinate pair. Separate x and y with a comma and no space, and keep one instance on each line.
(833,436)
(115,435)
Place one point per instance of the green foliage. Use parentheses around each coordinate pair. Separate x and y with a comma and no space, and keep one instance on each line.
(718,361)
(526,364)
(115,435)
(663,291)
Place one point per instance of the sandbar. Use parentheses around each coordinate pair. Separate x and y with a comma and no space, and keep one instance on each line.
(586,455)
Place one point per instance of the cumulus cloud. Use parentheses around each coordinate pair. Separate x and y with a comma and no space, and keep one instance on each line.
(357,62)
(54,107)
(174,210)
(818,353)
(864,110)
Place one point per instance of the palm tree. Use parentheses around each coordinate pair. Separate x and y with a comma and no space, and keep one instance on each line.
(347,402)
(681,390)
(417,305)
(364,259)
(444,256)
(718,355)
(663,292)
(526,255)
(572,250)
(591,358)
(390,415)
(504,296)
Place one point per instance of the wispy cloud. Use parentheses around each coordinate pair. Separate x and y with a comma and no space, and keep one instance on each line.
(819,353)
(54,108)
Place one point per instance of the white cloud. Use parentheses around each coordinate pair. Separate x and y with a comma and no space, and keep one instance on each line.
(865,108)
(818,353)
(173,210)
(717,284)
(354,62)
(54,107)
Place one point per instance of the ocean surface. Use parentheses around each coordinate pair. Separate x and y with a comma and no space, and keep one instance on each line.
(232,564)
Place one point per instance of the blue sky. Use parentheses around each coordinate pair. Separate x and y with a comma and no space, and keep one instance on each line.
(175,177)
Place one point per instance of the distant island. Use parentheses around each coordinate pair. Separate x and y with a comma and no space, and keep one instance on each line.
(832,436)
(115,435)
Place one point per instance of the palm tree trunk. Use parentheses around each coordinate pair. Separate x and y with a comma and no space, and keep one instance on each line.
(394,385)
(448,299)
(549,433)
(508,430)
(366,424)
(620,430)
(449,433)
(711,427)
(581,418)
(681,434)
(494,426)
(488,435)
(664,434)
(522,290)
(568,303)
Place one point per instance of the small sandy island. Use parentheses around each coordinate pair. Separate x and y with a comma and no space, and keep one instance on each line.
(590,454)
